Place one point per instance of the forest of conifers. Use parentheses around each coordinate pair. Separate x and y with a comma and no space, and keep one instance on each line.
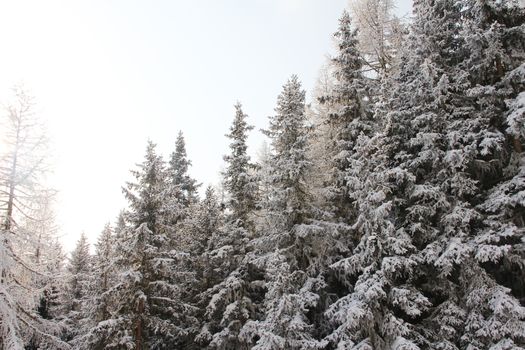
(388,213)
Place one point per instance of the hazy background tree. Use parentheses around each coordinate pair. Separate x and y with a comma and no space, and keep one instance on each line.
(380,33)
(26,217)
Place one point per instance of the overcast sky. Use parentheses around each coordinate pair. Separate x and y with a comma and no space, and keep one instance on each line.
(110,74)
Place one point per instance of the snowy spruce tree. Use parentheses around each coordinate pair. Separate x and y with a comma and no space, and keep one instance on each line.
(98,306)
(490,153)
(149,311)
(197,231)
(229,298)
(239,181)
(287,237)
(393,180)
(346,118)
(76,287)
(418,276)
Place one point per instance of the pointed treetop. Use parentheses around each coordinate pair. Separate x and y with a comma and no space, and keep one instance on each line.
(209,194)
(239,127)
(79,259)
(238,182)
(179,166)
(289,116)
(179,160)
(344,23)
(146,193)
(292,95)
(288,166)
(104,241)
(348,60)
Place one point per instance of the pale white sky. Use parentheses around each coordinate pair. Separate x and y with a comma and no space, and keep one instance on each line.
(109,74)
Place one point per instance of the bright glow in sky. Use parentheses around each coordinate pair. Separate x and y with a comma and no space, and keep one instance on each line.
(108,75)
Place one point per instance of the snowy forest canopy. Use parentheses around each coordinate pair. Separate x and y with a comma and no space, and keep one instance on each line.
(388,213)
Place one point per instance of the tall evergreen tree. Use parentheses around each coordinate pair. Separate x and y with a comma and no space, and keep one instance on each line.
(149,311)
(385,298)
(223,297)
(348,116)
(490,153)
(145,196)
(229,299)
(344,116)
(97,308)
(239,181)
(417,277)
(287,240)
(289,164)
(78,274)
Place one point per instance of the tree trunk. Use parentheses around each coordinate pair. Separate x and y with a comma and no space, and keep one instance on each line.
(138,327)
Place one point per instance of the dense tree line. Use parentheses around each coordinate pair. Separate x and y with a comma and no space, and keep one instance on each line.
(389,212)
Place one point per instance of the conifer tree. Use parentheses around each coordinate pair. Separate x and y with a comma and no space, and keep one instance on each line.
(239,181)
(229,303)
(204,220)
(286,241)
(78,275)
(222,298)
(349,123)
(383,300)
(347,118)
(145,196)
(149,311)
(417,277)
(98,308)
(489,153)
(288,166)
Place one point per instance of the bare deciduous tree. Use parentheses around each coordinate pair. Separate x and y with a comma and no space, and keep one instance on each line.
(22,160)
(23,198)
(380,33)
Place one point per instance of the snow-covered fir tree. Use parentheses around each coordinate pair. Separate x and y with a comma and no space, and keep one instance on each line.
(417,275)
(77,286)
(347,117)
(229,298)
(238,178)
(287,237)
(486,147)
(396,208)
(149,311)
(198,230)
(195,274)
(344,119)
(97,308)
